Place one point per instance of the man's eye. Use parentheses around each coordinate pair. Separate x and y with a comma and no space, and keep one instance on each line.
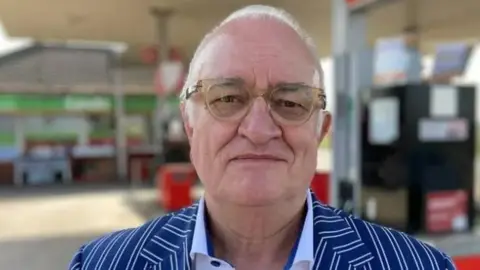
(229,99)
(289,104)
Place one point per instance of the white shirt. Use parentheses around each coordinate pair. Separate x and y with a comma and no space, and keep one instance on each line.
(303,258)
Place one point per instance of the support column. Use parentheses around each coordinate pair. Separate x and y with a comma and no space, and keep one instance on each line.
(360,80)
(411,31)
(352,74)
(162,17)
(340,19)
(411,13)
(121,152)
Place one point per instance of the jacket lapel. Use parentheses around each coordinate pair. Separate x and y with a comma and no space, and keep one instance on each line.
(337,245)
(169,247)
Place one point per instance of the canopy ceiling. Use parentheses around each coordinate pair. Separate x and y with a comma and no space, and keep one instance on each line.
(129,20)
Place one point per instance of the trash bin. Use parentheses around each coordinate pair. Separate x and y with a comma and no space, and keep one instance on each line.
(320,186)
(174,184)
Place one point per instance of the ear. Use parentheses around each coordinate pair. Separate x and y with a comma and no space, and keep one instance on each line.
(324,123)
(186,121)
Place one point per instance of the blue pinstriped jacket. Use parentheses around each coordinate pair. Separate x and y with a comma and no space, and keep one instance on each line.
(341,242)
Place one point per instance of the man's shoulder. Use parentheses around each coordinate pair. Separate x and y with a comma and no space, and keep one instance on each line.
(128,235)
(125,246)
(393,247)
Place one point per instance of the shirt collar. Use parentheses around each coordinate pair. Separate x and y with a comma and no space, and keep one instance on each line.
(304,252)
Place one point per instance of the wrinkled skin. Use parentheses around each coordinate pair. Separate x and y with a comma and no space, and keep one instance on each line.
(271,54)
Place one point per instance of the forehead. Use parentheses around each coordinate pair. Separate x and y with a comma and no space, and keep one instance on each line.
(272,53)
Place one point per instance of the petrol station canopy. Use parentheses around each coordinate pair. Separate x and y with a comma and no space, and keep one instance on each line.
(130,21)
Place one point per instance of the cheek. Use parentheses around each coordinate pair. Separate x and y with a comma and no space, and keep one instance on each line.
(208,139)
(201,142)
(303,145)
(303,142)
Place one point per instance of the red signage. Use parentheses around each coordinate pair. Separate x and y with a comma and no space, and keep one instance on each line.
(102,141)
(320,186)
(446,211)
(358,3)
(135,141)
(355,5)
(149,55)
(169,77)
(351,2)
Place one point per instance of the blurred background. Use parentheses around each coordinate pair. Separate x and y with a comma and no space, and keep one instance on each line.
(89,115)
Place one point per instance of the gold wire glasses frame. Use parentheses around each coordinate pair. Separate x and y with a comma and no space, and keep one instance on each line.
(231,99)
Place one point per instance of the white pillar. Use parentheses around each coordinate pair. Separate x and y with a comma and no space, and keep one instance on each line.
(340,124)
(162,18)
(351,72)
(120,134)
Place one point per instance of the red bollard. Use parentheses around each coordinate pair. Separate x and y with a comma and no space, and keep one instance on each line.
(321,186)
(174,185)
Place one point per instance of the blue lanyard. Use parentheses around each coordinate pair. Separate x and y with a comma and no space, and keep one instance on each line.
(287,266)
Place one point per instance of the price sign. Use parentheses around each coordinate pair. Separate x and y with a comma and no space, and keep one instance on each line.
(451,60)
(446,211)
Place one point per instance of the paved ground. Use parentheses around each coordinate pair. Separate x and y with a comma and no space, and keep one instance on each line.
(47,227)
(47,224)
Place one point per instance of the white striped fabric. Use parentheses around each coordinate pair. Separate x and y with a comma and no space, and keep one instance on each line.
(341,242)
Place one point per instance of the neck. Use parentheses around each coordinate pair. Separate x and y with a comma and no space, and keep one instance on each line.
(263,235)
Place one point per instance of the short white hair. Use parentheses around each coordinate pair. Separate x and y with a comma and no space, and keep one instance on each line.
(250,12)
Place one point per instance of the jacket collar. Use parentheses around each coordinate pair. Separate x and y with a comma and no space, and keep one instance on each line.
(335,239)
(303,252)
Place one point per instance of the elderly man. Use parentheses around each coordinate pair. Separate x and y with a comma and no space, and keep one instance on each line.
(254,113)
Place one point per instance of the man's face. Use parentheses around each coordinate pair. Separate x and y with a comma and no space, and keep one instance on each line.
(255,160)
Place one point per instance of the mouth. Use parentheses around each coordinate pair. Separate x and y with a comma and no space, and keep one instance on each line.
(258,158)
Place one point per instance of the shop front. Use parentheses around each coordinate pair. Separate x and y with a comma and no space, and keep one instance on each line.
(67,138)
(8,152)
(144,156)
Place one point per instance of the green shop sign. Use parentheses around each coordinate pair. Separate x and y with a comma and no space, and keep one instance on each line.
(7,139)
(140,103)
(35,103)
(87,104)
(50,103)
(51,136)
(148,103)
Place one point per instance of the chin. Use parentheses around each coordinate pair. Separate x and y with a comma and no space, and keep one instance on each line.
(255,193)
(254,201)
(253,187)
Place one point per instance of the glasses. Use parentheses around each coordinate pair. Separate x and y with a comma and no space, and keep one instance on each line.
(231,99)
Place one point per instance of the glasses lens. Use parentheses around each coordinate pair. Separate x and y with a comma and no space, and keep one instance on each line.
(227,99)
(292,102)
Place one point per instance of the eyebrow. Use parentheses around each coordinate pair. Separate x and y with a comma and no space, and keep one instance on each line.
(299,84)
(290,84)
(233,79)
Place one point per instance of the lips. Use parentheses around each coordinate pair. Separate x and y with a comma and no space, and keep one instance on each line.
(259,157)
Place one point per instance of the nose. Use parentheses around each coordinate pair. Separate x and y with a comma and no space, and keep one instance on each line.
(258,125)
